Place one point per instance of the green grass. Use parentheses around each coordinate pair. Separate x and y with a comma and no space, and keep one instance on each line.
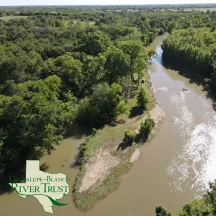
(108,137)
(147,84)
(88,198)
(7,18)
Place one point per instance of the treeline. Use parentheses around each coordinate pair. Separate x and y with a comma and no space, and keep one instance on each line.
(14,10)
(194,48)
(204,206)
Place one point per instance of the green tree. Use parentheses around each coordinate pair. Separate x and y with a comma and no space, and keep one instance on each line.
(171,26)
(142,98)
(93,43)
(152,53)
(32,120)
(138,56)
(103,105)
(160,211)
(68,69)
(116,65)
(146,127)
(197,207)
(129,136)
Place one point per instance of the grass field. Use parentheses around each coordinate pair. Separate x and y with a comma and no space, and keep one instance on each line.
(7,18)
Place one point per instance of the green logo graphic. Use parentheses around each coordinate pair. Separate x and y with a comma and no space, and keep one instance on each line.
(45,187)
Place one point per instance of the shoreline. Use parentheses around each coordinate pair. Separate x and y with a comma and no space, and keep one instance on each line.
(103,165)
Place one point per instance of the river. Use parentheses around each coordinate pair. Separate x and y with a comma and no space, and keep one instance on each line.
(174,168)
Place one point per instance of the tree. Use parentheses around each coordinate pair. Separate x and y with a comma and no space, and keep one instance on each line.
(93,43)
(160,211)
(152,53)
(102,106)
(116,65)
(53,52)
(32,120)
(129,137)
(127,87)
(68,69)
(17,65)
(93,72)
(142,98)
(197,207)
(195,49)
(138,56)
(146,127)
(203,206)
(171,26)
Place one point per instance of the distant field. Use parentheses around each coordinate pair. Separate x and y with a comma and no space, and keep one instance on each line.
(201,9)
(6,18)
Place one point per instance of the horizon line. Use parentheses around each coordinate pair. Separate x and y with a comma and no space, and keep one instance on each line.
(204,3)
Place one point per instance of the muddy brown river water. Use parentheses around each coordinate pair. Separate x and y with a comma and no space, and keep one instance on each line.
(174,167)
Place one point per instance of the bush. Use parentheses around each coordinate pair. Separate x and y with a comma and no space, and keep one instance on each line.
(146,127)
(160,211)
(129,136)
(142,98)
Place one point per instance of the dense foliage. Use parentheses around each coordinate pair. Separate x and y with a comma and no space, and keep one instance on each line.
(204,206)
(194,48)
(142,98)
(146,127)
(33,118)
(160,211)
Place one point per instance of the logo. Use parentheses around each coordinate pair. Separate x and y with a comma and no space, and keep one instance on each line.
(45,187)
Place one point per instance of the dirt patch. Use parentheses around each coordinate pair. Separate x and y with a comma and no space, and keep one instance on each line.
(97,168)
(135,156)
(154,90)
(157,114)
(164,89)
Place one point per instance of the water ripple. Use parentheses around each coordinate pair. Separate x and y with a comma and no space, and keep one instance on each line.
(195,165)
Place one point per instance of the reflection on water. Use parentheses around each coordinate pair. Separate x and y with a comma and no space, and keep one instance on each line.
(195,164)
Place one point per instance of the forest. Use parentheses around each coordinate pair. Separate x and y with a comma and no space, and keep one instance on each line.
(61,67)
(195,49)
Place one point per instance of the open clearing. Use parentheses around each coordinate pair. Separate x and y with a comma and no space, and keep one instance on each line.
(7,18)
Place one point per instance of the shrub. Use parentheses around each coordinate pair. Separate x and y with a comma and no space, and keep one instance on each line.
(129,136)
(146,127)
(160,211)
(142,98)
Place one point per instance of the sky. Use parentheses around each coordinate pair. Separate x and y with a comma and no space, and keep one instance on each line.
(97,2)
